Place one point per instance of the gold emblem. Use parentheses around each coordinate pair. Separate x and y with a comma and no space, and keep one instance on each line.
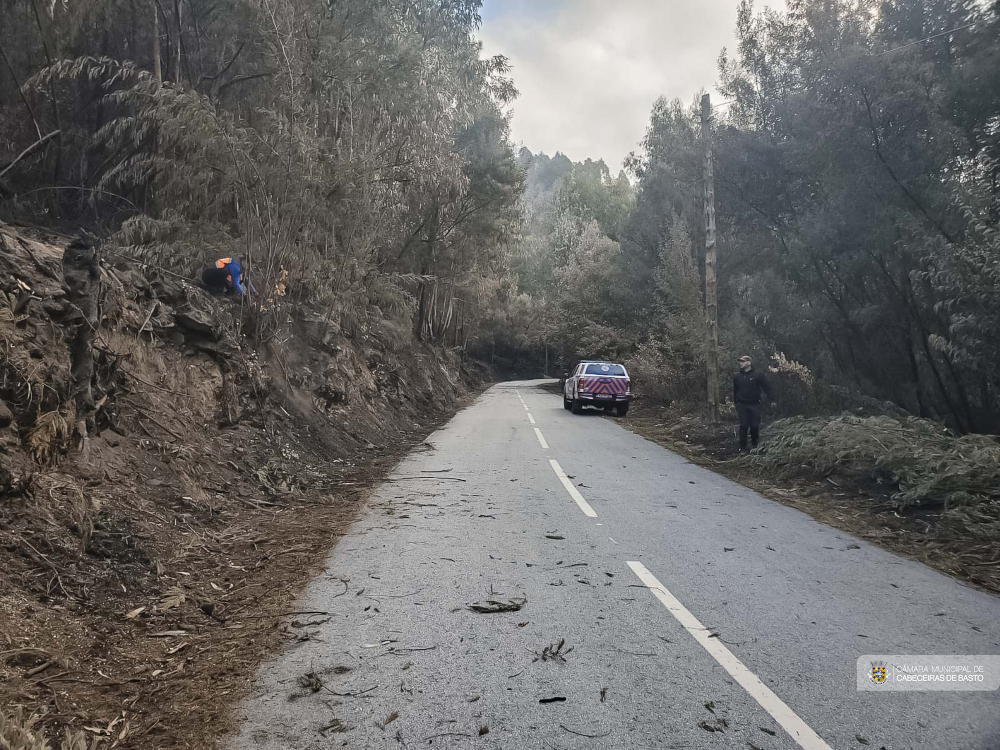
(878,672)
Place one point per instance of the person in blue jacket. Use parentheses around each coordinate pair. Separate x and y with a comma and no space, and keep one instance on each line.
(225,277)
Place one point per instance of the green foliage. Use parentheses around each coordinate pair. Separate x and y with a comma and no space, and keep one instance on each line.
(919,462)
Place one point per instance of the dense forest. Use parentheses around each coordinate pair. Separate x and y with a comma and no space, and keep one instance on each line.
(358,155)
(353,153)
(856,180)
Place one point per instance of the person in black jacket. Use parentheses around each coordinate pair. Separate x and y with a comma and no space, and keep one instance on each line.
(748,385)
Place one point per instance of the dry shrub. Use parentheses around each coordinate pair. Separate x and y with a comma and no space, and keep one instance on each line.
(49,437)
(920,462)
(650,373)
(17,732)
(21,732)
(22,379)
(792,384)
(662,373)
(83,519)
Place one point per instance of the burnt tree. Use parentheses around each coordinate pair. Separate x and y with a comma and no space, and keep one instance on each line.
(82,275)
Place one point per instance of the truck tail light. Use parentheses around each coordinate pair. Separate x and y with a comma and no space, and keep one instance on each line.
(628,384)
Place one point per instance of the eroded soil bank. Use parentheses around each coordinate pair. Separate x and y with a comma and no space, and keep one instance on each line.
(146,571)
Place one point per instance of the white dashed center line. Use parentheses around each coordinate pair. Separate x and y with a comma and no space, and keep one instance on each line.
(573,492)
(531,418)
(538,434)
(799,731)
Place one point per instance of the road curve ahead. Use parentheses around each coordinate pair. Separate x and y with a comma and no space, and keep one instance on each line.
(663,606)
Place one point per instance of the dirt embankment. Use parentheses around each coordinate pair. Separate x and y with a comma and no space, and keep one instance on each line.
(146,571)
(857,502)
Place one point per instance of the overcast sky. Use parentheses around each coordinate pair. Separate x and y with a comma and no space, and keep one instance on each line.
(588,71)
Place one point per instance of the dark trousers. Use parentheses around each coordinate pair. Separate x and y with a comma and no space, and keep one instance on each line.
(216,280)
(749,420)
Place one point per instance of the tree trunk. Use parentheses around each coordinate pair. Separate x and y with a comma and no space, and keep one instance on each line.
(50,45)
(157,63)
(421,312)
(711,290)
(177,42)
(82,274)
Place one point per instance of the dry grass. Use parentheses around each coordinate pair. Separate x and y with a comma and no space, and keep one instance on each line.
(19,731)
(49,437)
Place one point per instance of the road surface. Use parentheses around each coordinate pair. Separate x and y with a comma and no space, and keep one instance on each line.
(692,612)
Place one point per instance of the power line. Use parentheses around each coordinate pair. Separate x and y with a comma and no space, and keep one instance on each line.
(921,41)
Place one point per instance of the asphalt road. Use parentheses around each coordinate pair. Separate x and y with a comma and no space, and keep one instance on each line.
(693,612)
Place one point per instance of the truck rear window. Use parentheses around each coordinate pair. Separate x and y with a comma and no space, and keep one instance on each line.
(604,370)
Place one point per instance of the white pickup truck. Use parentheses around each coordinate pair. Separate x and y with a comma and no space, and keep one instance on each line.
(604,385)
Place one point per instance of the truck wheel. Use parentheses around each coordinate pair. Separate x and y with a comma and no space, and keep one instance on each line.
(566,404)
(622,410)
(576,407)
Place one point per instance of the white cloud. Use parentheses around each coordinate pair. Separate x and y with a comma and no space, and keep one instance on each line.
(588,71)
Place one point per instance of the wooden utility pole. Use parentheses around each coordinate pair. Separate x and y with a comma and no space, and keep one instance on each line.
(157,62)
(711,291)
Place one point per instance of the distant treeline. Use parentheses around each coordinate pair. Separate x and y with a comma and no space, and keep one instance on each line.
(857,180)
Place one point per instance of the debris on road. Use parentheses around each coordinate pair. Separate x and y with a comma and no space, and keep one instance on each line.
(336,726)
(554,652)
(719,725)
(311,682)
(583,734)
(492,606)
(553,699)
(389,719)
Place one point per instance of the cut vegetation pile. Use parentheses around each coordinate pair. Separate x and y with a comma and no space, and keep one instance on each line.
(921,464)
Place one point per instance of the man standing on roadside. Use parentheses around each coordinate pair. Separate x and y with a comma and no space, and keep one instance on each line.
(748,385)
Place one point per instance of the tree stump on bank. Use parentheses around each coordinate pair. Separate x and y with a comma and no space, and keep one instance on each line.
(82,274)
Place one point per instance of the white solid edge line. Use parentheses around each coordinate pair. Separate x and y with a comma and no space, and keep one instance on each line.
(797,729)
(531,418)
(541,440)
(573,492)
